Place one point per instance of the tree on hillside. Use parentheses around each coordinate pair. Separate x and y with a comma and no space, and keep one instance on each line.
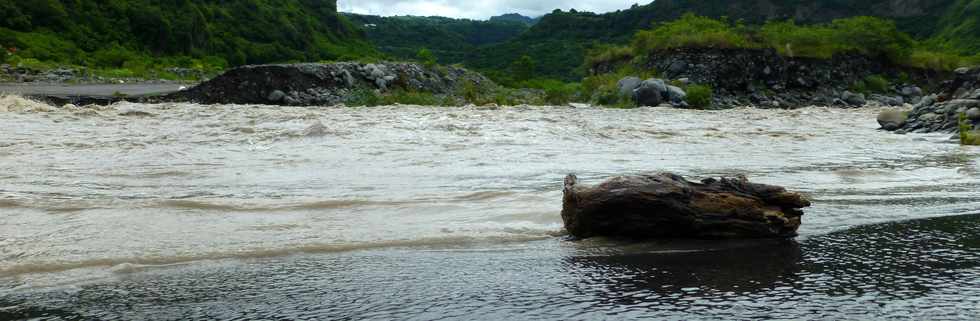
(426,57)
(523,68)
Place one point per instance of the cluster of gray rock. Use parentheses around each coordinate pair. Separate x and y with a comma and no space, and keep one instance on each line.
(652,92)
(898,96)
(766,79)
(940,112)
(10,73)
(314,84)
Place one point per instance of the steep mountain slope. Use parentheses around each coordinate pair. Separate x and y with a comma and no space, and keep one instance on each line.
(959,28)
(449,39)
(238,31)
(559,41)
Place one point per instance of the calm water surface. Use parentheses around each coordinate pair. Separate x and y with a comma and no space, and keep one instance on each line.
(179,211)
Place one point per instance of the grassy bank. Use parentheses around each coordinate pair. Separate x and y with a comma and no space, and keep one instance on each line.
(863,35)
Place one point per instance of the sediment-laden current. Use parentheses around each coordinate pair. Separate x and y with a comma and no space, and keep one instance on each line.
(181,211)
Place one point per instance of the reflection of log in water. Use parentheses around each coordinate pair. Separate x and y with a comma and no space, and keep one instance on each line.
(672,270)
(912,267)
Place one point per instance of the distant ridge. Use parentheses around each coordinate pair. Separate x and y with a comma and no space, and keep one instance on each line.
(516,17)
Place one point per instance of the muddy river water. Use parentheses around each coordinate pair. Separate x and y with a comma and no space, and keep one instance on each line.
(182,211)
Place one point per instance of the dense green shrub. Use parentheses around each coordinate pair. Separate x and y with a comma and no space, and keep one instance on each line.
(114,56)
(968,136)
(523,69)
(792,40)
(699,96)
(426,57)
(877,84)
(556,92)
(604,54)
(691,31)
(363,98)
(419,98)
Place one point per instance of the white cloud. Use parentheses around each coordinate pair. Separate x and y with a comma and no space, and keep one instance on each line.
(476,9)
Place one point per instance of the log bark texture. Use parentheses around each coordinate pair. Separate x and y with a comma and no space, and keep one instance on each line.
(666,205)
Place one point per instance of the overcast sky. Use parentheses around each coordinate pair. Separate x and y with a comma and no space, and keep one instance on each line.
(478,9)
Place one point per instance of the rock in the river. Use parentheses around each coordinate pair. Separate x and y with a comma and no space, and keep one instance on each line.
(973,114)
(911,91)
(893,119)
(853,99)
(676,96)
(276,95)
(650,92)
(668,206)
(888,100)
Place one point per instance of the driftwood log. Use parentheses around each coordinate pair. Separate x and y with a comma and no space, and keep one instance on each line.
(666,205)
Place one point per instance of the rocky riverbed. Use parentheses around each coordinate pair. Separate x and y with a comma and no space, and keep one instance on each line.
(332,84)
(80,75)
(940,112)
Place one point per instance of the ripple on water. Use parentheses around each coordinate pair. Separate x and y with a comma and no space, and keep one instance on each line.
(183,182)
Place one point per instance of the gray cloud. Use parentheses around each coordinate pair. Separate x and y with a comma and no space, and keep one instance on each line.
(476,9)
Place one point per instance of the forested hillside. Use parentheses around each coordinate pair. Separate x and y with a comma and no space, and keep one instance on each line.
(113,33)
(559,41)
(451,40)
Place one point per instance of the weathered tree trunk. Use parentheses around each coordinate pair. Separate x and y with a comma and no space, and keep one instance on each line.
(668,206)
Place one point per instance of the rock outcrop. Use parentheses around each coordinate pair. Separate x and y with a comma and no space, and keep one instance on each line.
(668,206)
(766,79)
(941,112)
(312,84)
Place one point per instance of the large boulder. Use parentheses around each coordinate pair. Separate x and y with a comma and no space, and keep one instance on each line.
(676,96)
(650,92)
(668,206)
(893,119)
(973,114)
(853,99)
(627,85)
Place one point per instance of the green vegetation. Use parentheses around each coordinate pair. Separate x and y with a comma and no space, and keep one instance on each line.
(603,89)
(450,40)
(601,55)
(691,31)
(426,57)
(863,35)
(523,69)
(945,32)
(871,84)
(556,92)
(145,36)
(968,136)
(699,96)
(371,98)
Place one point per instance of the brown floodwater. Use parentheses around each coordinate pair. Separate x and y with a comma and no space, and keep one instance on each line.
(182,211)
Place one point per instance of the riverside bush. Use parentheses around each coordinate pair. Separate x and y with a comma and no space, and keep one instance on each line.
(877,84)
(699,96)
(968,136)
